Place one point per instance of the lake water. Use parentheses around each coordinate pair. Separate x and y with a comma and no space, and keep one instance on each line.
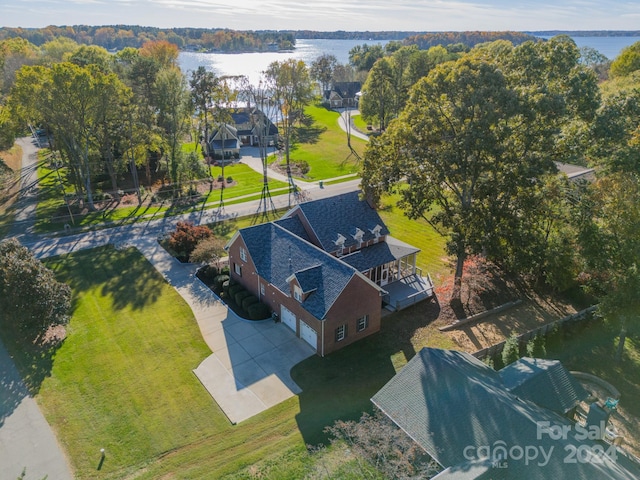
(252,64)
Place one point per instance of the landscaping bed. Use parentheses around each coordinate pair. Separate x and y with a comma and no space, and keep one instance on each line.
(235,296)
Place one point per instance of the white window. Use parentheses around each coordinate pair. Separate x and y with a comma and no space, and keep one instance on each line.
(243,254)
(363,323)
(238,269)
(262,289)
(341,333)
(297,293)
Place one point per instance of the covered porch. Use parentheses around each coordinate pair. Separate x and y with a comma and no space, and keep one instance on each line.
(392,266)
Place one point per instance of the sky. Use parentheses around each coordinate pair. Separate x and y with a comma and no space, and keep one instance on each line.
(330,15)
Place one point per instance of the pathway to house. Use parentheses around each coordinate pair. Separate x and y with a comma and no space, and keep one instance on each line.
(248,371)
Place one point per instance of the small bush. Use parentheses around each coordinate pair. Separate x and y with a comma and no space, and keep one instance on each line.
(225,270)
(225,287)
(536,347)
(185,238)
(219,280)
(229,179)
(209,272)
(234,288)
(240,296)
(248,301)
(511,351)
(258,311)
(220,179)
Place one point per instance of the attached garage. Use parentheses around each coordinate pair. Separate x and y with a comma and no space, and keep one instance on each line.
(309,335)
(288,318)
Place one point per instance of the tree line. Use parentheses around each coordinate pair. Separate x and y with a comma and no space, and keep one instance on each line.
(117,37)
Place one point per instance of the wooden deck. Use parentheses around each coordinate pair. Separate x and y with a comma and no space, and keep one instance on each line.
(407,291)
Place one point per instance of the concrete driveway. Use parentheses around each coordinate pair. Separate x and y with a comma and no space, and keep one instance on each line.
(249,369)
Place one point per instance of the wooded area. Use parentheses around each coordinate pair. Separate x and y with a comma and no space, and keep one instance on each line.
(117,37)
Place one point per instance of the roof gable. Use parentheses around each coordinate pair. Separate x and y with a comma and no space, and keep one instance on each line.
(342,215)
(451,404)
(278,254)
(544,382)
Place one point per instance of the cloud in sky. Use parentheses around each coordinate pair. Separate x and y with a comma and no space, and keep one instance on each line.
(330,15)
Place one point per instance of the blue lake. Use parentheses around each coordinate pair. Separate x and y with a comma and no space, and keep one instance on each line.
(252,64)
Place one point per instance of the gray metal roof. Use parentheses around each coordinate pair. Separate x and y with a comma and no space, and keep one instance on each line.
(341,215)
(544,382)
(450,403)
(278,254)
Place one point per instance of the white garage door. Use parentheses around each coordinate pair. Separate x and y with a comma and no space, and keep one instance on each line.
(288,317)
(309,335)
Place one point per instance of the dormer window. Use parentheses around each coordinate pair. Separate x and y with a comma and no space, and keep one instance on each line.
(376,233)
(358,236)
(340,243)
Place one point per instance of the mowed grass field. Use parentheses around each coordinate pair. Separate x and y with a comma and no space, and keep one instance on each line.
(323,145)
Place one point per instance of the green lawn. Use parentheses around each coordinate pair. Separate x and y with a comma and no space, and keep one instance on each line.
(323,146)
(360,123)
(432,257)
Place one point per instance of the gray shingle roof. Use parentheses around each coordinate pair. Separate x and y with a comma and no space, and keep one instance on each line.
(342,214)
(379,254)
(544,382)
(447,401)
(278,254)
(294,225)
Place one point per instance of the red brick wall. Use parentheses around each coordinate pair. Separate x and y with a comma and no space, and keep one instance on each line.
(358,299)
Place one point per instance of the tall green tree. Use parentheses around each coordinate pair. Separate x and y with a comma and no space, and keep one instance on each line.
(378,94)
(609,240)
(31,298)
(203,84)
(627,62)
(173,108)
(364,56)
(321,70)
(478,135)
(292,91)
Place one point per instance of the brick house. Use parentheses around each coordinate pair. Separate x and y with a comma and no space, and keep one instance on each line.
(327,268)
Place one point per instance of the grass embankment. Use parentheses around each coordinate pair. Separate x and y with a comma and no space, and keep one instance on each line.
(10,165)
(323,145)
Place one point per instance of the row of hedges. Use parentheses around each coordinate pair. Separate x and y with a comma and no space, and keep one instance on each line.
(247,305)
(235,295)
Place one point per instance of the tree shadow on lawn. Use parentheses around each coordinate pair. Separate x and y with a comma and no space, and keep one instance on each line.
(340,385)
(309,134)
(33,357)
(125,275)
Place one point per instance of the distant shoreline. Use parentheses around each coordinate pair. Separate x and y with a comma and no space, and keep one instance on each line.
(587,33)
